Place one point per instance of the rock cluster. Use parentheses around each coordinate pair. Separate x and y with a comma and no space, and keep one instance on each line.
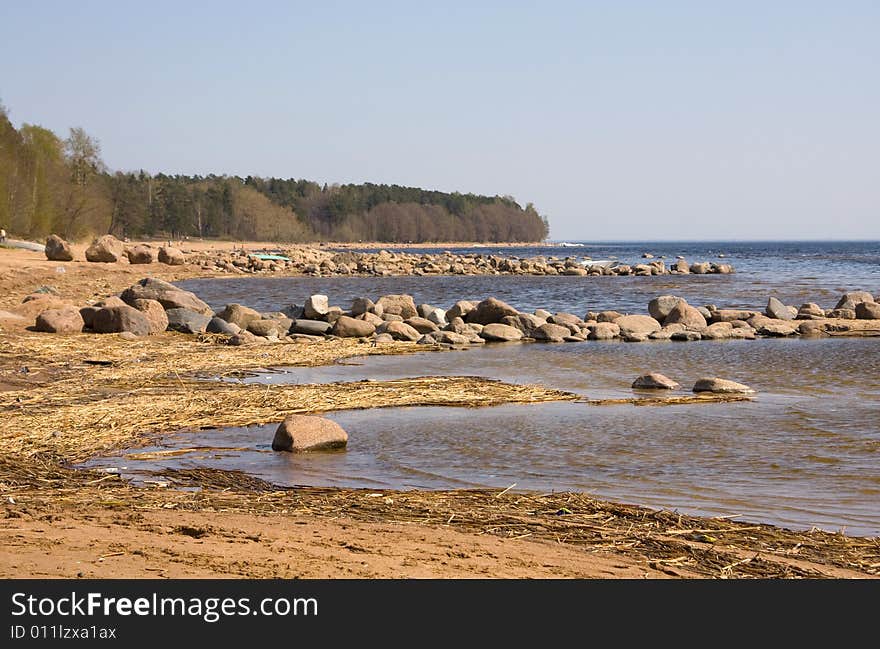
(152,305)
(321,263)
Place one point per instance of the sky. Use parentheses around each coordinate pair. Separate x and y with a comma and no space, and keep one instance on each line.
(618,119)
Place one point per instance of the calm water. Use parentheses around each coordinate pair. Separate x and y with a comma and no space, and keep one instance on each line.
(805,452)
(794,272)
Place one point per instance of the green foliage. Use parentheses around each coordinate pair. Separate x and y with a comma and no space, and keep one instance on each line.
(49,185)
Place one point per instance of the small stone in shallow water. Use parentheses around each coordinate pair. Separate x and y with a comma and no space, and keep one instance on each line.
(654,381)
(299,433)
(721,386)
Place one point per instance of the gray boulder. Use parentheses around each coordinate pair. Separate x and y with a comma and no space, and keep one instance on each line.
(187,321)
(361,305)
(660,307)
(868,311)
(490,311)
(777,310)
(218,325)
(310,327)
(721,386)
(654,381)
(850,300)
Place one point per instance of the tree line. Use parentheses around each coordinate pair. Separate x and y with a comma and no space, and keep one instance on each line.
(49,184)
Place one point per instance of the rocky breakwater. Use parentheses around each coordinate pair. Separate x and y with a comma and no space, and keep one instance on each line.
(320,262)
(152,306)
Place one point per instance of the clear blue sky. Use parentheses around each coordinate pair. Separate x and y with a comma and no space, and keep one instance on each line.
(619,120)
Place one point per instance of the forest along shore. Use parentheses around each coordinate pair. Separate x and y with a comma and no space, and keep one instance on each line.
(68,397)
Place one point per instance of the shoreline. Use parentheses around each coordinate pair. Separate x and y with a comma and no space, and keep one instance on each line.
(174,531)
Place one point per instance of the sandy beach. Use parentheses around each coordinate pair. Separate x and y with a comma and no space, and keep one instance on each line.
(86,394)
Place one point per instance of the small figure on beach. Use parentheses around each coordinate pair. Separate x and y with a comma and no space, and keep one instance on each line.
(2,235)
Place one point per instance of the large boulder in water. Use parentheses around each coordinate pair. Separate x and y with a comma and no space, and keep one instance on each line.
(497,332)
(654,381)
(107,249)
(850,300)
(637,325)
(683,313)
(550,332)
(399,331)
(660,307)
(316,307)
(868,311)
(57,249)
(166,294)
(459,310)
(300,433)
(402,305)
(721,386)
(489,311)
(777,310)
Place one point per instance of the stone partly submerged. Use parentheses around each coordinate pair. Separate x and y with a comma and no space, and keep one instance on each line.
(721,386)
(302,433)
(655,381)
